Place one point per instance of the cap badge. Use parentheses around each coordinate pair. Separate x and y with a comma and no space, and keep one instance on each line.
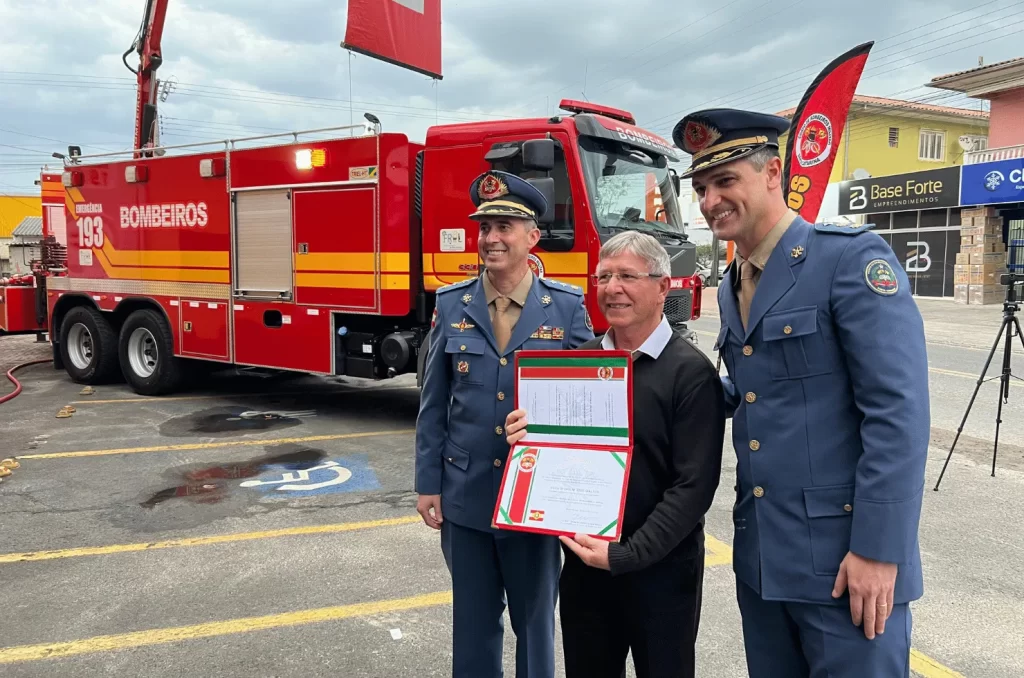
(492,187)
(700,135)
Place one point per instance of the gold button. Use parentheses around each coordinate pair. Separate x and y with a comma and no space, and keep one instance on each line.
(758,491)
(503,361)
(748,350)
(847,508)
(462,348)
(497,463)
(501,396)
(751,397)
(754,445)
(497,430)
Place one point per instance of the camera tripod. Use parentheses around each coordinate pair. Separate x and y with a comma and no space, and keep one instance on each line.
(1009,324)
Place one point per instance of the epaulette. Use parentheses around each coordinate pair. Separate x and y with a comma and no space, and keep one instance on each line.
(852,229)
(564,287)
(455,286)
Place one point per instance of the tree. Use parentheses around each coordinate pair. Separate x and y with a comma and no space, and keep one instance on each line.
(704,256)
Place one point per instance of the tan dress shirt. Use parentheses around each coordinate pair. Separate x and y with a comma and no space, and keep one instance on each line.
(519,295)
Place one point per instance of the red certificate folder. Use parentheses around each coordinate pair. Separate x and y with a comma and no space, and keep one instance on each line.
(569,473)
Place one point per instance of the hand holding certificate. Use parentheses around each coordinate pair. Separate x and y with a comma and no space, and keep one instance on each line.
(568,474)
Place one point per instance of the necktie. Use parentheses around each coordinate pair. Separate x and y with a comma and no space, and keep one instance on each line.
(747,287)
(502,327)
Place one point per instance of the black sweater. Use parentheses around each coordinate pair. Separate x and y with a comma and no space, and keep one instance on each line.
(678,433)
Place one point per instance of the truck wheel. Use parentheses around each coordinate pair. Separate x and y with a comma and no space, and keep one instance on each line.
(88,346)
(146,349)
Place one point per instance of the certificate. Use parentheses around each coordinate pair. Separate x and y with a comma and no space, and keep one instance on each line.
(569,474)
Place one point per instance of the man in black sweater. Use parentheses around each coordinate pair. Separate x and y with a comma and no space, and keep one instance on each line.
(643,593)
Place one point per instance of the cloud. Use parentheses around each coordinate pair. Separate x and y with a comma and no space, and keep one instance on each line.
(244,68)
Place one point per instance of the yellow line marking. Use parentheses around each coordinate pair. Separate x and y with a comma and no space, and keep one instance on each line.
(209,446)
(156,399)
(122,641)
(31,556)
(718,553)
(929,668)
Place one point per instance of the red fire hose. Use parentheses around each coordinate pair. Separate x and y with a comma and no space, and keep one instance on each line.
(17,384)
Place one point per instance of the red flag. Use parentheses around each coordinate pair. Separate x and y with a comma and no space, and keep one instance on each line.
(817,128)
(406,33)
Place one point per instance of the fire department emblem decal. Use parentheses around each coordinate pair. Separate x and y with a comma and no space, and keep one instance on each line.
(604,373)
(699,135)
(536,265)
(815,139)
(492,187)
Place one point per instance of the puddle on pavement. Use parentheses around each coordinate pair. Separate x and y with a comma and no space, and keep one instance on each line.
(211,484)
(233,420)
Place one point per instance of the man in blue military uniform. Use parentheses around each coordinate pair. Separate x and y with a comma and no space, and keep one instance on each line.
(828,390)
(468,389)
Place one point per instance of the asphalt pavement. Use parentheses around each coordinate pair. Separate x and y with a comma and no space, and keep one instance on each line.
(265,526)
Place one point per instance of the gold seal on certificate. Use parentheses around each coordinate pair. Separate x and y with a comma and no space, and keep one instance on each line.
(568,475)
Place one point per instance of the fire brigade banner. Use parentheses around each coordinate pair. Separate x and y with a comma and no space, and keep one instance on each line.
(569,474)
(405,33)
(817,127)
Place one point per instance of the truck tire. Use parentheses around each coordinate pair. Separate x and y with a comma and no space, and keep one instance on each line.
(88,346)
(146,350)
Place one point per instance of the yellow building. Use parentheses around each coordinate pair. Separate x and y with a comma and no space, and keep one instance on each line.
(890,136)
(14,208)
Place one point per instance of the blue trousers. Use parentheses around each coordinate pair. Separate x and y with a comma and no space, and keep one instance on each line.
(801,640)
(485,567)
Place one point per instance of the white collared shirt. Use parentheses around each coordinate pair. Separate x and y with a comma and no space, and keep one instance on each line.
(652,346)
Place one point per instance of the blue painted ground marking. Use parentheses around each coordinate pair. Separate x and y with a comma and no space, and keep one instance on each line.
(329,476)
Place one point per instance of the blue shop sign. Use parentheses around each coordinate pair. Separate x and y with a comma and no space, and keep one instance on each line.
(992,182)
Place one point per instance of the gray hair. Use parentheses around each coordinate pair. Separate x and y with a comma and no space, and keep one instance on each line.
(760,158)
(642,245)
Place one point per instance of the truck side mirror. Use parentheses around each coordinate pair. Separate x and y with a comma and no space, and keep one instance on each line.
(546,185)
(675,180)
(539,154)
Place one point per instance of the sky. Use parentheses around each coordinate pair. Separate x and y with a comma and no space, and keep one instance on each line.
(241,68)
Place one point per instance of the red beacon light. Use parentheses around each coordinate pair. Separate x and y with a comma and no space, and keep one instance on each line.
(574,106)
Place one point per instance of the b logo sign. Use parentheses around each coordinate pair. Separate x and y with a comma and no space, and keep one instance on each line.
(919,261)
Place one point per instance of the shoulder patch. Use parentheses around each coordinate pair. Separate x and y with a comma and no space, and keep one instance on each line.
(881,278)
(455,286)
(854,229)
(564,287)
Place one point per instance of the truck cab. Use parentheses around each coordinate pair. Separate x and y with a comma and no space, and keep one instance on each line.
(602,175)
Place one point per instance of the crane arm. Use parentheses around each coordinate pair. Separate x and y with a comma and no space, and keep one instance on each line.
(147,46)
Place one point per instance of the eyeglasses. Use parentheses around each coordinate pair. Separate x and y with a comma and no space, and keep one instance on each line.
(626,278)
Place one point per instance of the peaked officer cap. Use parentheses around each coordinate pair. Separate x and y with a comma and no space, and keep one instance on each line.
(716,136)
(502,194)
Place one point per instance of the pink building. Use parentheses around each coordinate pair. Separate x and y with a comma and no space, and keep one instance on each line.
(1002,84)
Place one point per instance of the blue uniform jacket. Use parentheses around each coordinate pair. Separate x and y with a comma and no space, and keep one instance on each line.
(828,391)
(469,388)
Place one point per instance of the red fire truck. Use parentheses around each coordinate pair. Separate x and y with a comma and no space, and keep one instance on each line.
(322,256)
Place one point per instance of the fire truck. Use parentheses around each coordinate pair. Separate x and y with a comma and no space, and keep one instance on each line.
(322,256)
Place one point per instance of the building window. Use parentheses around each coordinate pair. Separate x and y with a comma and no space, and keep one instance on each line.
(973,142)
(932,146)
(894,137)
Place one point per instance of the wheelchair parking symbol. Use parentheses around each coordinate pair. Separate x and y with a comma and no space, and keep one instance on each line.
(349,474)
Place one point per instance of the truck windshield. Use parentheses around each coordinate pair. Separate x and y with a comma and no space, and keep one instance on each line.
(630,189)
